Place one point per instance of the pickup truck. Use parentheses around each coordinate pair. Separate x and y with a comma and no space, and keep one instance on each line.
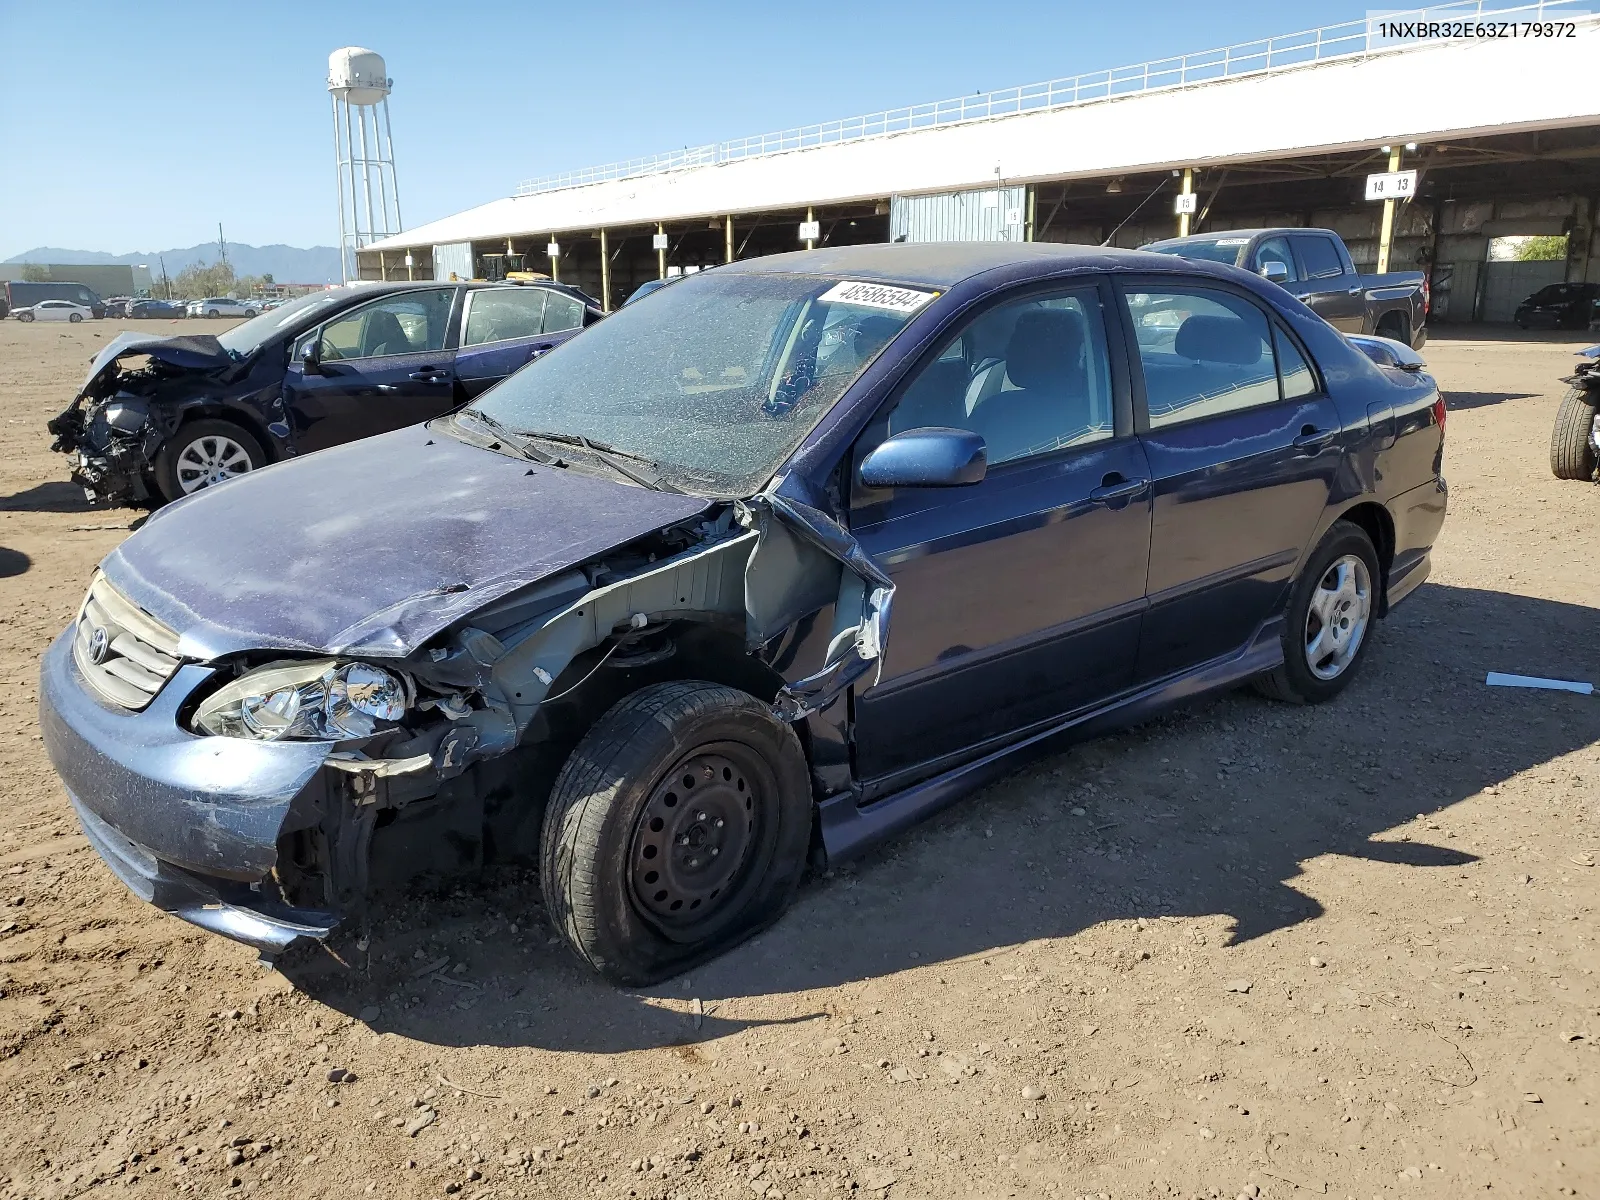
(1313,265)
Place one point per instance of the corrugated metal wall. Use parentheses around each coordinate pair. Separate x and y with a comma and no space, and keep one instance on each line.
(1508,284)
(987,215)
(455,257)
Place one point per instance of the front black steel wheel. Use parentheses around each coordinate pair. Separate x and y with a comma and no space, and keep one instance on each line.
(678,827)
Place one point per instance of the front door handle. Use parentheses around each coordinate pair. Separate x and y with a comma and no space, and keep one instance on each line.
(1312,439)
(1114,487)
(1355,291)
(387,387)
(431,375)
(541,349)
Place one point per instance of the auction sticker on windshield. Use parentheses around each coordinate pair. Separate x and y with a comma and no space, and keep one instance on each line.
(876,295)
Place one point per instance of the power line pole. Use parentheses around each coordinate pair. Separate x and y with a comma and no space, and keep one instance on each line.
(222,246)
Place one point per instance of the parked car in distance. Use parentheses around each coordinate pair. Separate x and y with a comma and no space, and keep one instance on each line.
(117,306)
(16,293)
(651,285)
(327,368)
(1560,306)
(629,613)
(152,308)
(1314,266)
(222,306)
(55,310)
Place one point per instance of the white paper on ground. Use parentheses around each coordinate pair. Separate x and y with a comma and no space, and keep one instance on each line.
(1496,679)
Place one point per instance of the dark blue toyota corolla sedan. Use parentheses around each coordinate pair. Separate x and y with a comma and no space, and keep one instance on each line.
(769,567)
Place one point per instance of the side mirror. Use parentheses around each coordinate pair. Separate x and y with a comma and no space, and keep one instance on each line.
(932,457)
(311,357)
(1274,271)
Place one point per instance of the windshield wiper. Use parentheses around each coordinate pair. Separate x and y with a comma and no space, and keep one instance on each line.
(605,453)
(509,436)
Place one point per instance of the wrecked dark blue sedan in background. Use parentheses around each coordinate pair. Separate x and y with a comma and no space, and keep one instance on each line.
(161,417)
(769,567)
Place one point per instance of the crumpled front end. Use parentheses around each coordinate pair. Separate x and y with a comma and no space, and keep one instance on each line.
(112,429)
(112,445)
(192,780)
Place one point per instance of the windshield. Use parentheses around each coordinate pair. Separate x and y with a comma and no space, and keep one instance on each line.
(716,380)
(1221,250)
(244,340)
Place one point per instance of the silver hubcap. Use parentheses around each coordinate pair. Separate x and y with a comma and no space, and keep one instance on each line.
(1341,606)
(210,460)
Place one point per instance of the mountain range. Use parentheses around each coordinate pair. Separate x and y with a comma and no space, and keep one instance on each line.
(286,264)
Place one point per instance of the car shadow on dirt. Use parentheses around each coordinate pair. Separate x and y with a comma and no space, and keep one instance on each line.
(57,496)
(1461,401)
(1207,812)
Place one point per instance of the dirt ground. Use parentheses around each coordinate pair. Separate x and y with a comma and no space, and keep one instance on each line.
(1249,949)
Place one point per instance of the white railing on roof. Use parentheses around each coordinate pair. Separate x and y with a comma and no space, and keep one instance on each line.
(1290,50)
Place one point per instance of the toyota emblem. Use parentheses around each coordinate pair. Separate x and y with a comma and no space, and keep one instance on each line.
(99,643)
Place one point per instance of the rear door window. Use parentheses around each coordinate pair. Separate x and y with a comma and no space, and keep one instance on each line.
(1204,352)
(502,314)
(561,313)
(1319,257)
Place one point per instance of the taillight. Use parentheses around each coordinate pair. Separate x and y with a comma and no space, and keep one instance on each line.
(1427,294)
(1439,413)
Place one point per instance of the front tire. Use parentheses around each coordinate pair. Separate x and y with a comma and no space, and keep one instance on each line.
(677,828)
(24,317)
(74,317)
(1328,623)
(1572,453)
(205,453)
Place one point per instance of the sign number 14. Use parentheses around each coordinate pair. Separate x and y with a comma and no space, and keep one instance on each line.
(1392,185)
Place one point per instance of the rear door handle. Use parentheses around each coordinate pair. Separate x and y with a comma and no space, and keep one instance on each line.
(1355,291)
(1313,439)
(541,349)
(1124,489)
(387,387)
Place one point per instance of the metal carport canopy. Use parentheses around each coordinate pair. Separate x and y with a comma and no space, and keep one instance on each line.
(1423,92)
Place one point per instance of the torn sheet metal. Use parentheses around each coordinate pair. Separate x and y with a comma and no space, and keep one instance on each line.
(865,597)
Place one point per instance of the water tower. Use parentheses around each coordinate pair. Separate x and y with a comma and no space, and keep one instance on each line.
(369,194)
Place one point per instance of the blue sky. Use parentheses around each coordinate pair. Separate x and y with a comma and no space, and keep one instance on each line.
(139,126)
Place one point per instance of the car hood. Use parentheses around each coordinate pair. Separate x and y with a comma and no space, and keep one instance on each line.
(372,547)
(197,352)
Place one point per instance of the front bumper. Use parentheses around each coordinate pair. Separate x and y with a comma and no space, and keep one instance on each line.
(189,823)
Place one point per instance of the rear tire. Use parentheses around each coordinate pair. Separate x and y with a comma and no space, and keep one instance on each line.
(1572,454)
(1394,328)
(74,317)
(181,464)
(1328,622)
(671,777)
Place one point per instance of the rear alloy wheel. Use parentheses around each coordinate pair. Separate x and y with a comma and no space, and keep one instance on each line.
(1572,454)
(203,454)
(678,827)
(1329,619)
(74,317)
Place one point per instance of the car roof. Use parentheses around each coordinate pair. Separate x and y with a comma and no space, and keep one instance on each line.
(938,264)
(1243,234)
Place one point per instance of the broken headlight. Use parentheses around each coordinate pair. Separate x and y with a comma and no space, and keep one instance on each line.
(321,701)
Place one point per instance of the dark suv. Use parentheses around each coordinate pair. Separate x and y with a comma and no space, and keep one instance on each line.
(161,417)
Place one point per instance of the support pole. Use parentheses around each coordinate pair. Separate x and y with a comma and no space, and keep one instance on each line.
(1386,233)
(1033,211)
(338,163)
(1188,190)
(661,254)
(383,265)
(727,239)
(605,273)
(811,243)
